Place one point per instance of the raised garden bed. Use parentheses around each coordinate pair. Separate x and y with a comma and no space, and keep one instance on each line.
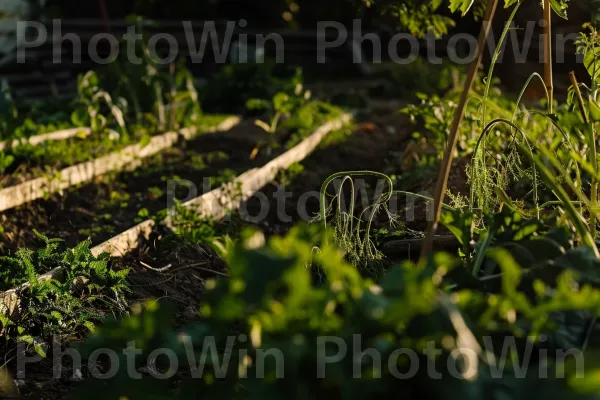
(127,158)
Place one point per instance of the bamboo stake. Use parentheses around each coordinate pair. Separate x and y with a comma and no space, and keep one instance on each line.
(580,102)
(444,173)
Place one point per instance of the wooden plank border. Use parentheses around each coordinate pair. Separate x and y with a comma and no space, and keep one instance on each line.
(50,136)
(130,157)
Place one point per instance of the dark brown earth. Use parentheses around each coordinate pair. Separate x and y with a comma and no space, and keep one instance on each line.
(110,204)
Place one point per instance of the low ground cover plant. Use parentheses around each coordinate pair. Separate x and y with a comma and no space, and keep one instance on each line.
(84,292)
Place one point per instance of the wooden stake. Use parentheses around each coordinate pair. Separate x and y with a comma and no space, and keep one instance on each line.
(444,173)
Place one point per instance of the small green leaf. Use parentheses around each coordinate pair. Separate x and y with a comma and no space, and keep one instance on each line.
(594,111)
(560,7)
(461,5)
(280,101)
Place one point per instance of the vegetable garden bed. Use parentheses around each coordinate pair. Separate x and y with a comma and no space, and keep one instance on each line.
(129,157)
(211,205)
(467,221)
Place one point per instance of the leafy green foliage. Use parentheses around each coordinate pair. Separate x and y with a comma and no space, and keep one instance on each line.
(416,16)
(273,301)
(589,46)
(82,292)
(91,98)
(62,153)
(18,121)
(189,228)
(460,5)
(293,110)
(432,116)
(234,84)
(421,16)
(560,7)
(123,103)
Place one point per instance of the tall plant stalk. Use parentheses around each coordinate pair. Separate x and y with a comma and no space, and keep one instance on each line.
(592,159)
(488,84)
(548,53)
(444,174)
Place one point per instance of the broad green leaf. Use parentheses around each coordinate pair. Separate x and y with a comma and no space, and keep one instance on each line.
(560,7)
(461,5)
(594,111)
(591,60)
(279,102)
(80,117)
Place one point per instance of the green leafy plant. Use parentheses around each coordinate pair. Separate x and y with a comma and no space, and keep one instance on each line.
(189,228)
(230,88)
(551,153)
(282,105)
(419,17)
(88,107)
(5,161)
(284,295)
(83,291)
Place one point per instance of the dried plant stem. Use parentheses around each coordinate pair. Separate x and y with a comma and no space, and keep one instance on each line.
(444,173)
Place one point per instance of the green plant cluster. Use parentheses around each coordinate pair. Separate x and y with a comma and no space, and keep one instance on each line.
(284,295)
(230,88)
(419,76)
(123,103)
(190,229)
(19,121)
(534,161)
(291,109)
(81,294)
(422,16)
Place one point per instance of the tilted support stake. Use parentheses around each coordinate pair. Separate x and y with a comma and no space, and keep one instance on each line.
(459,115)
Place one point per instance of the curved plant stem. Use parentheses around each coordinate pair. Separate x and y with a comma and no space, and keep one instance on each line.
(420,196)
(459,115)
(480,140)
(580,101)
(322,194)
(490,75)
(348,218)
(524,89)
